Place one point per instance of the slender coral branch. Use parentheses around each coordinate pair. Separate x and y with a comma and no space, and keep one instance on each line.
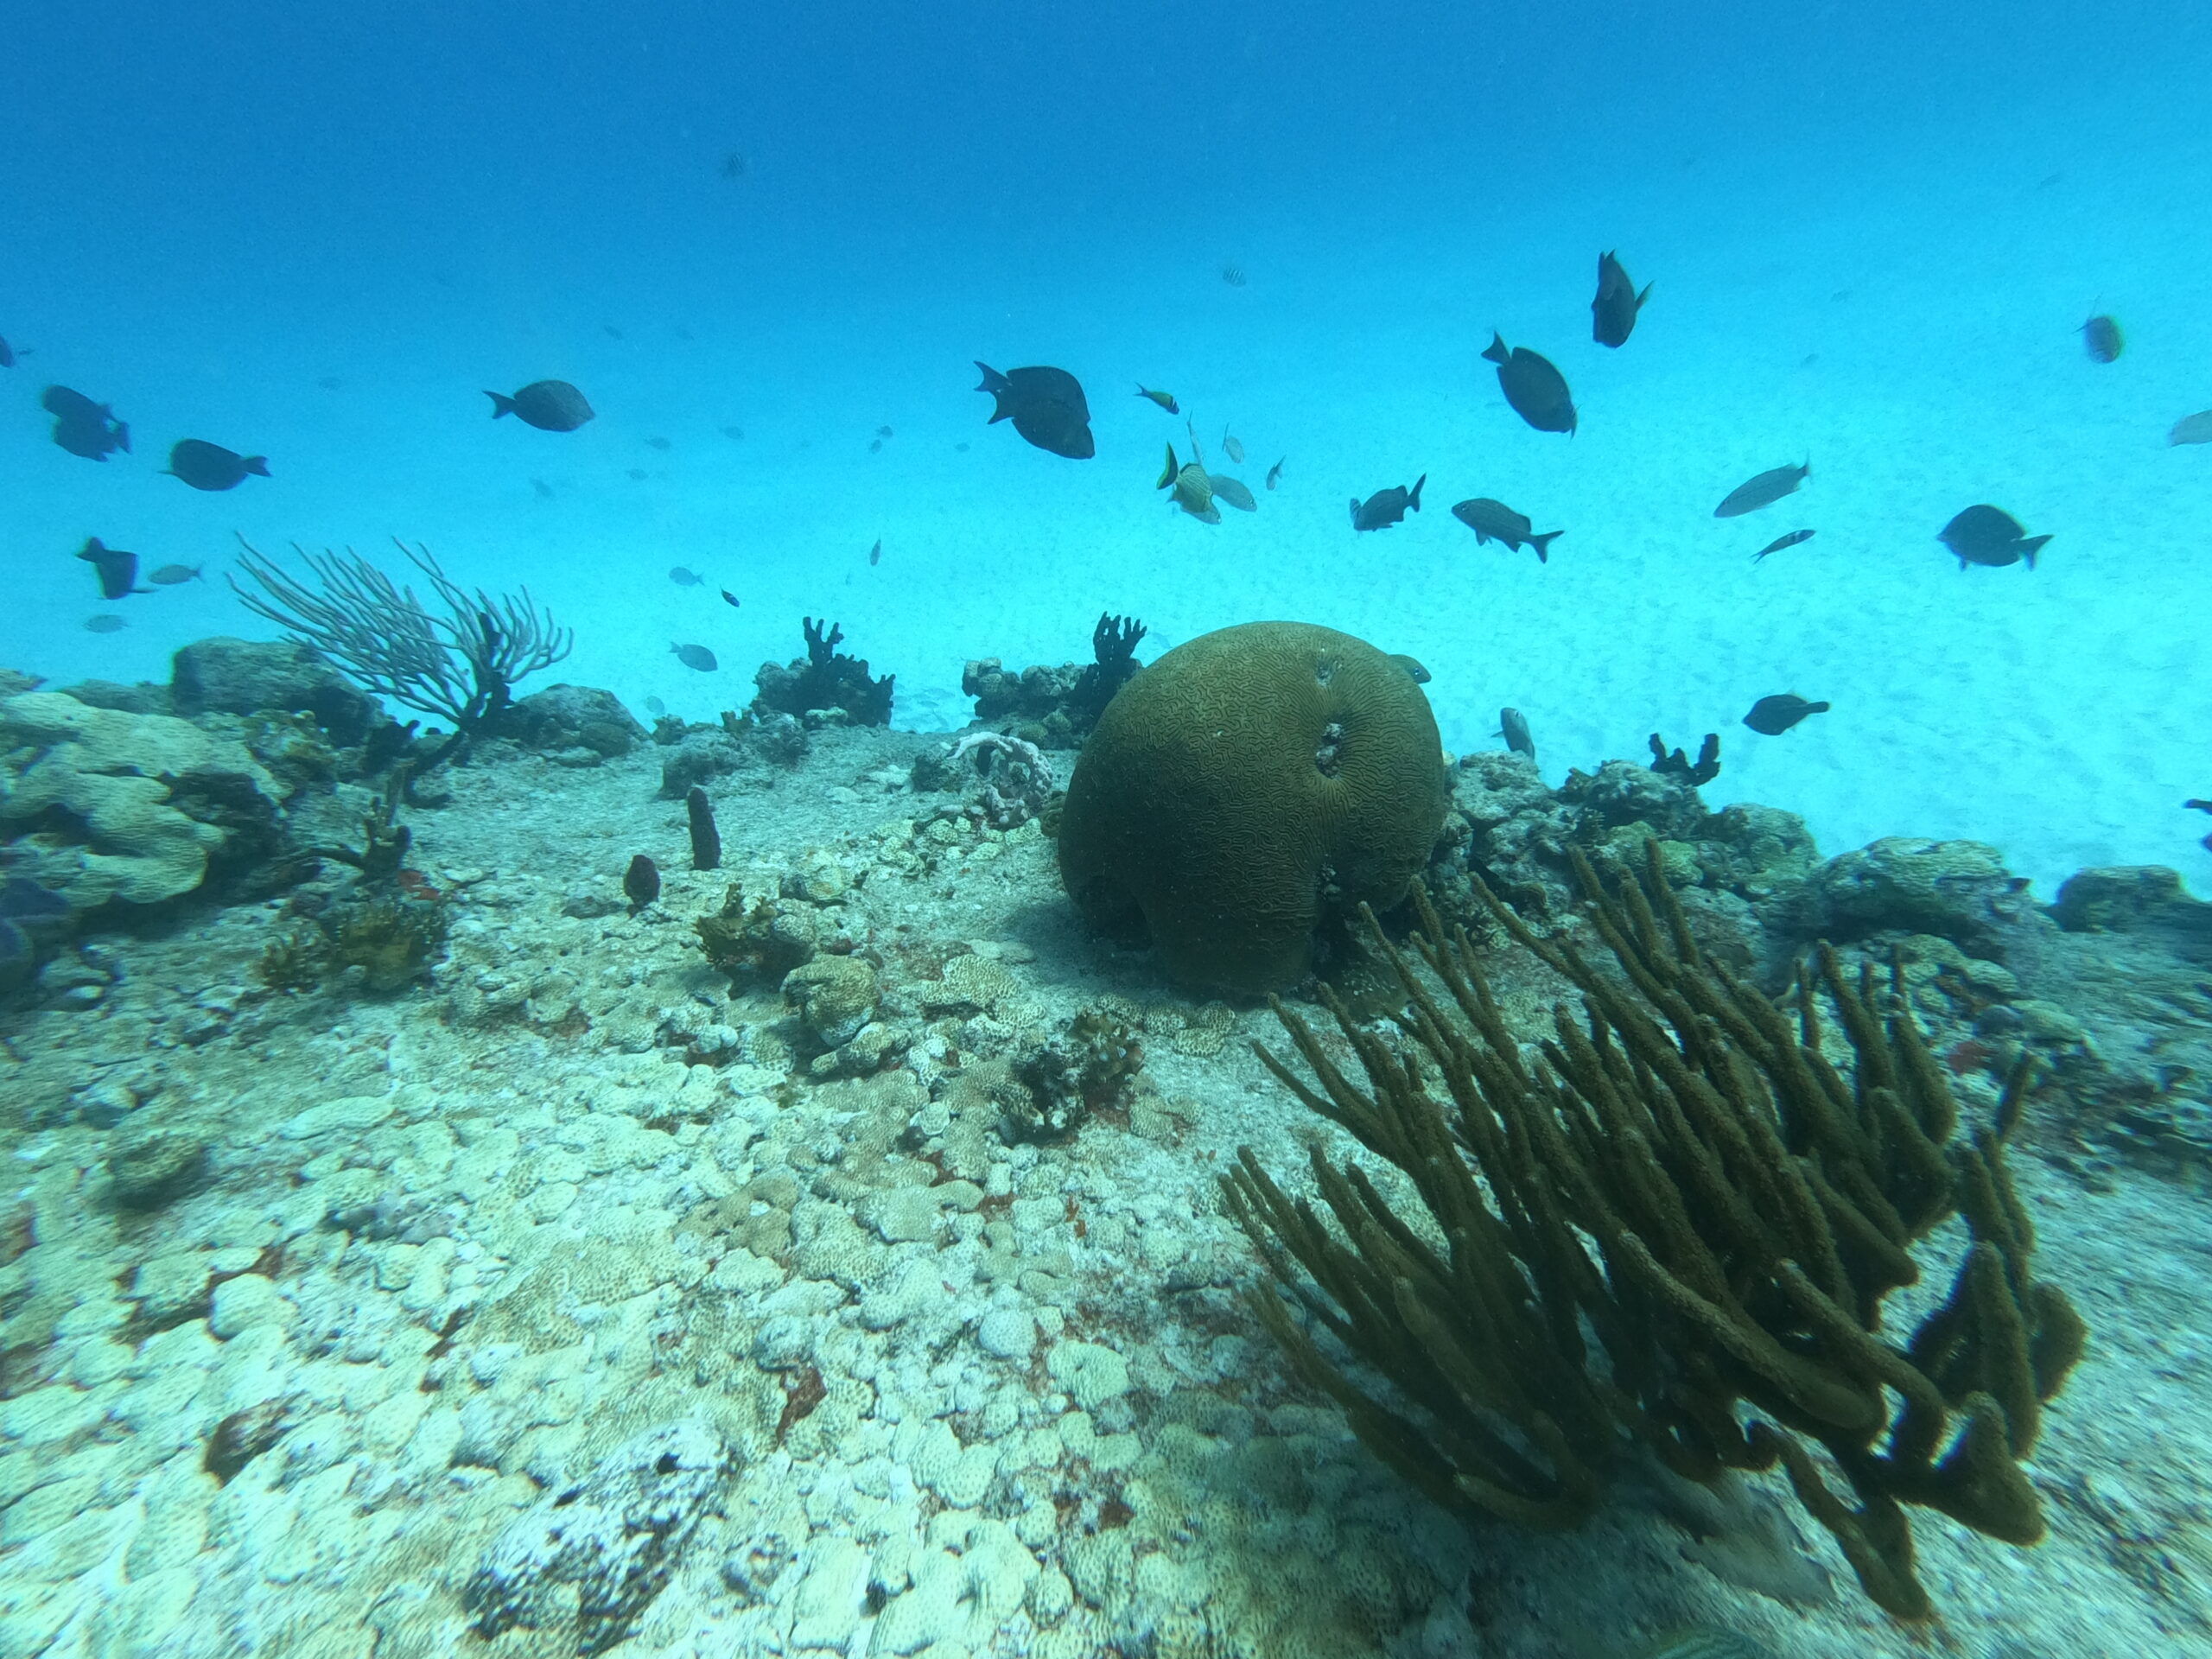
(461,666)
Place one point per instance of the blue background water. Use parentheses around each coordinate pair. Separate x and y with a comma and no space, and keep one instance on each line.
(1871,230)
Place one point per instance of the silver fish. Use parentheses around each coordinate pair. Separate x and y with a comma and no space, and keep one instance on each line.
(1232,447)
(1513,727)
(1232,491)
(1769,488)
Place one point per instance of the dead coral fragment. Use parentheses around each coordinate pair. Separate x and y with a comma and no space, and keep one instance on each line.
(1688,1180)
(1089,1068)
(386,940)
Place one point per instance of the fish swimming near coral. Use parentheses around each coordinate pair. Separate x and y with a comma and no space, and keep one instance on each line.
(1763,490)
(696,657)
(2192,429)
(1387,507)
(171,575)
(1493,521)
(83,427)
(549,405)
(1990,536)
(1513,727)
(210,467)
(1794,538)
(1534,386)
(116,570)
(1046,406)
(1165,399)
(1771,716)
(2100,338)
(1612,314)
(1191,488)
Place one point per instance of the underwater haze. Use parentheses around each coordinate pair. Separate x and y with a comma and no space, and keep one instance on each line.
(1872,232)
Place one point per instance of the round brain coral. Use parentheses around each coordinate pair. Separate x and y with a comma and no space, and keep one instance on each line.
(1247,787)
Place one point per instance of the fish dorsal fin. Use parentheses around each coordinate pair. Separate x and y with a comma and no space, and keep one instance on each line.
(1168,477)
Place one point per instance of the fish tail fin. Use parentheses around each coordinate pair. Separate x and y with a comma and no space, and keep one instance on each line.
(2029,548)
(1495,351)
(1168,476)
(1818,708)
(257,465)
(1414,500)
(122,435)
(1543,544)
(501,404)
(1355,512)
(993,380)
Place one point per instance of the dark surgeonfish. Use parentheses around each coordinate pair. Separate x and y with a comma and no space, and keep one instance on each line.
(1387,507)
(1794,538)
(210,467)
(1533,385)
(1493,521)
(83,427)
(1769,488)
(1772,716)
(1991,535)
(2100,338)
(549,405)
(1612,314)
(696,657)
(7,354)
(1513,727)
(116,570)
(1191,487)
(1046,406)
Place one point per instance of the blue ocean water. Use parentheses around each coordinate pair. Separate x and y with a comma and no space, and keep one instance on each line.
(1872,231)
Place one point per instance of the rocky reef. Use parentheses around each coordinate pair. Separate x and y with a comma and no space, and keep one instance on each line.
(1055,708)
(823,681)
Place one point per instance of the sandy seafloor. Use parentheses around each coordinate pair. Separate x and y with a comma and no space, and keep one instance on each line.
(1904,315)
(1036,1419)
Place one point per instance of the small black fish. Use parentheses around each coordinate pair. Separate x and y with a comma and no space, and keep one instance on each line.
(729,599)
(882,431)
(1387,507)
(83,427)
(875,553)
(733,164)
(1274,474)
(103,624)
(2100,338)
(1493,521)
(1165,399)
(1535,387)
(1774,715)
(1046,406)
(1991,535)
(1769,488)
(210,467)
(875,446)
(1612,314)
(118,570)
(170,575)
(657,444)
(1513,727)
(544,490)
(641,883)
(7,354)
(697,657)
(1793,539)
(549,405)
(735,432)
(683,576)
(613,333)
